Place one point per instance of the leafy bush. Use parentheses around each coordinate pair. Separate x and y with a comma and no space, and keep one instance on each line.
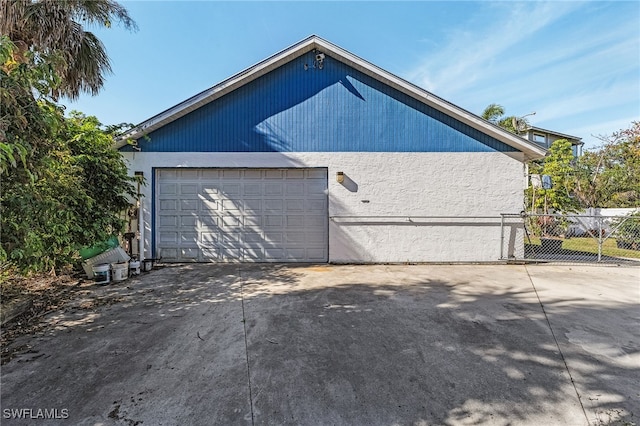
(627,231)
(69,197)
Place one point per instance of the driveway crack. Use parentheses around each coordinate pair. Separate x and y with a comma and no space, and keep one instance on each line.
(246,345)
(566,366)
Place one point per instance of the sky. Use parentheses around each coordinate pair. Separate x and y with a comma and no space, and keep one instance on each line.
(575,64)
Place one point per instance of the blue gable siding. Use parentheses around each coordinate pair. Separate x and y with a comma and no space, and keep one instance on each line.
(334,109)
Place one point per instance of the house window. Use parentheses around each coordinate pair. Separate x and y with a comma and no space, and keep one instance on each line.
(539,138)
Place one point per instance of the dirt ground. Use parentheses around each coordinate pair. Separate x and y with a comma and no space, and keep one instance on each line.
(28,299)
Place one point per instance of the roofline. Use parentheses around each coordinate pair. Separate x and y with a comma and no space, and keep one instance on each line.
(555,133)
(531,150)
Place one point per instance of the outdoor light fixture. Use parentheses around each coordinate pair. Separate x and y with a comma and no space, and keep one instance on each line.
(339,177)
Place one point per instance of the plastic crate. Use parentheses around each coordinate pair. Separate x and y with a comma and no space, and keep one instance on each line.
(110,256)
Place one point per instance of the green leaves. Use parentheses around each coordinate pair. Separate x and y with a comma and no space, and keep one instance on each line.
(77,198)
(608,177)
(63,185)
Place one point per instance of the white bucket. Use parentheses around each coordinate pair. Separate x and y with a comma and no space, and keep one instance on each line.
(101,273)
(134,267)
(120,271)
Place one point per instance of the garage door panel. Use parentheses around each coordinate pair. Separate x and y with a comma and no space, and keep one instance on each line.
(231,174)
(294,188)
(272,220)
(231,189)
(252,222)
(273,174)
(209,239)
(242,215)
(252,189)
(273,189)
(273,237)
(231,222)
(230,238)
(273,206)
(207,222)
(254,254)
(297,174)
(210,253)
(273,253)
(190,253)
(168,221)
(316,174)
(295,221)
(168,189)
(168,205)
(169,254)
(209,205)
(189,205)
(295,237)
(313,221)
(188,238)
(186,174)
(208,174)
(292,254)
(253,237)
(169,237)
(316,188)
(252,174)
(231,205)
(316,254)
(318,206)
(208,191)
(315,237)
(295,205)
(189,189)
(188,221)
(230,254)
(252,206)
(167,174)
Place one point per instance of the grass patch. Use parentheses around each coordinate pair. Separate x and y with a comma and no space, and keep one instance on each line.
(590,245)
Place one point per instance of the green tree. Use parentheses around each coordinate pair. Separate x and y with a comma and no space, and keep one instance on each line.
(53,32)
(495,114)
(74,196)
(63,185)
(559,166)
(610,175)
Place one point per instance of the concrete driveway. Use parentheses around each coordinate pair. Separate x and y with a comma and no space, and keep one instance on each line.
(341,345)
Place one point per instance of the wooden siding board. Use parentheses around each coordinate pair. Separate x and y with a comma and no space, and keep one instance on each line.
(334,109)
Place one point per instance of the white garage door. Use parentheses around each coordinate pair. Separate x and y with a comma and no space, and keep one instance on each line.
(241,215)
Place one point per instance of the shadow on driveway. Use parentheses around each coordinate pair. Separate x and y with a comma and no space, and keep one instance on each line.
(283,344)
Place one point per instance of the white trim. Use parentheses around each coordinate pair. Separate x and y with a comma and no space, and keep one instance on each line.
(531,150)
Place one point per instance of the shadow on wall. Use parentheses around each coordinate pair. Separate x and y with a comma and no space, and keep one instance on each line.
(386,351)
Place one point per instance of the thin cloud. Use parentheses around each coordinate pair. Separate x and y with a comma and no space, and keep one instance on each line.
(463,61)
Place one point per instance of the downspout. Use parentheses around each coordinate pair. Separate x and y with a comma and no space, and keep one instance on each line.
(141,230)
(140,176)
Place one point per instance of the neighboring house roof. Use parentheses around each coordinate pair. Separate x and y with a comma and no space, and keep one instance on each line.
(530,149)
(574,139)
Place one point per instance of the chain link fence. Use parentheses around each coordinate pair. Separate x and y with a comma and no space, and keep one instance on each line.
(570,238)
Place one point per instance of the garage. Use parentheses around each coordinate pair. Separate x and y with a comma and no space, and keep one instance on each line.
(241,215)
(316,155)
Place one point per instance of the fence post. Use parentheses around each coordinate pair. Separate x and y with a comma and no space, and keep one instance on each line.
(599,239)
(501,236)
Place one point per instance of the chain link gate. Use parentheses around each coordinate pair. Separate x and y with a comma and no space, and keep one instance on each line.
(570,238)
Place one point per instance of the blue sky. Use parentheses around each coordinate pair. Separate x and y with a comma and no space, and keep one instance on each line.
(576,64)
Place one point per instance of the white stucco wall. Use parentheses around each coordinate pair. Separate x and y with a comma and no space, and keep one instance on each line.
(381,185)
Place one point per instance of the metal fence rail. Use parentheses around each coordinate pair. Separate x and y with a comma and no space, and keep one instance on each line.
(570,238)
